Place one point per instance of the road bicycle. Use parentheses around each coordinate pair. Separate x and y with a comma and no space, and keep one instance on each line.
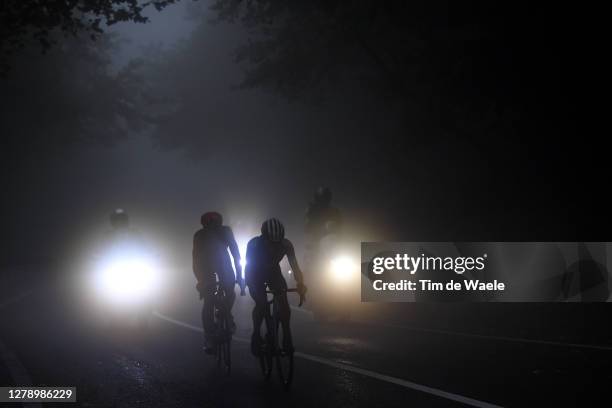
(272,354)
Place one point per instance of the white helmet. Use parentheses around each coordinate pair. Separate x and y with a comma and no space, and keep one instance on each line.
(273,230)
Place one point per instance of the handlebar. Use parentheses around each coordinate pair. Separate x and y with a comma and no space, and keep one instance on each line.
(302,296)
(200,288)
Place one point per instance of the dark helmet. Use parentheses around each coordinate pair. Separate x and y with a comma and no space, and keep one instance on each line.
(119,218)
(211,219)
(323,195)
(273,230)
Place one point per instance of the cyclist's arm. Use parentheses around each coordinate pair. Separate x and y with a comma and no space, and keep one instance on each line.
(195,258)
(295,267)
(233,247)
(248,266)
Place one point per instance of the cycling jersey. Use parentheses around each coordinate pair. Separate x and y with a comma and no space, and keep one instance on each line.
(211,256)
(263,258)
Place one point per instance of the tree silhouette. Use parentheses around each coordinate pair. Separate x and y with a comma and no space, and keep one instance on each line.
(67,96)
(24,20)
(464,67)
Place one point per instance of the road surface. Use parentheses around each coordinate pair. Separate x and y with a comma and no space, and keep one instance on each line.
(48,338)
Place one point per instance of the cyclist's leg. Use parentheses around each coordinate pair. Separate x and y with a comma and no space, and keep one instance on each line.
(284,311)
(257,290)
(258,293)
(228,283)
(208,310)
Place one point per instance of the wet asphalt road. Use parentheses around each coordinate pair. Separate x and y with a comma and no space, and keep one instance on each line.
(357,364)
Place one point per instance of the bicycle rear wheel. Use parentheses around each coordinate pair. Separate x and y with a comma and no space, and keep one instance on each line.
(265,356)
(284,359)
(265,362)
(224,340)
(227,355)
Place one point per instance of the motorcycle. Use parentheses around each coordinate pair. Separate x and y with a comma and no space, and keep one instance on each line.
(334,279)
(125,281)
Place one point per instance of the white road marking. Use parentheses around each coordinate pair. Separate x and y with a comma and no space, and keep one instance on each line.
(362,371)
(178,322)
(398,381)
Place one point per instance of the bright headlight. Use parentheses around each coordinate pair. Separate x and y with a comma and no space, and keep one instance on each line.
(128,280)
(343,269)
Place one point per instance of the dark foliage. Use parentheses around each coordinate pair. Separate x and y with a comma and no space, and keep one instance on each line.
(488,87)
(22,21)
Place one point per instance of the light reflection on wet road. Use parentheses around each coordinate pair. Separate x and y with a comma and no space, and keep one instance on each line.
(165,367)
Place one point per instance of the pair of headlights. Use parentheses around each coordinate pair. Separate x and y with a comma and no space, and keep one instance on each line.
(134,279)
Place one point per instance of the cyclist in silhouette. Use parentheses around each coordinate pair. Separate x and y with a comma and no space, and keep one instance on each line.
(211,261)
(322,218)
(263,256)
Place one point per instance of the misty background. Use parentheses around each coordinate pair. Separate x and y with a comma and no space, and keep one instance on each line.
(470,136)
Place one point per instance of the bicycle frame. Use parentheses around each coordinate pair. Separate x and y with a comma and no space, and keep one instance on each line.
(271,349)
(223,334)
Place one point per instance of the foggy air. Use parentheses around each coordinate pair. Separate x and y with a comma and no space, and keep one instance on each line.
(199,200)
